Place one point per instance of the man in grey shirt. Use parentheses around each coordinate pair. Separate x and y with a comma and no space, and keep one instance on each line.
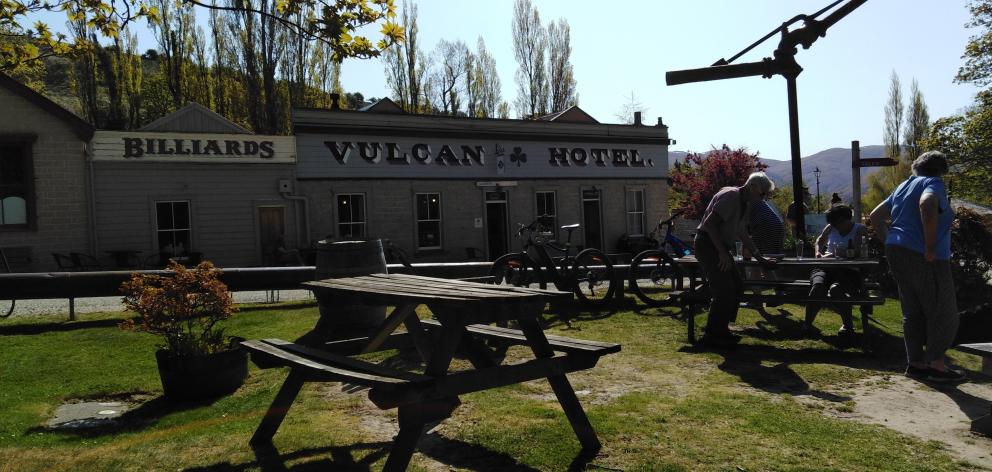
(725,222)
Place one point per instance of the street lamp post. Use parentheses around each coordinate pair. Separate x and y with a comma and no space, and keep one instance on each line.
(816,172)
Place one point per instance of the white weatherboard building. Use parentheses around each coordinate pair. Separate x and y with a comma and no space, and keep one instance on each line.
(440,187)
(192,184)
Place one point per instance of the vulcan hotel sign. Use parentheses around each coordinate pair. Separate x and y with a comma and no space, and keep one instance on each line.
(136,146)
(367,157)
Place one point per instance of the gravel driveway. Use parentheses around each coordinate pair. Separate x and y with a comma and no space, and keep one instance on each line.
(95,304)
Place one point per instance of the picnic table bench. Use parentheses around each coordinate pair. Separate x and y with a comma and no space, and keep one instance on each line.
(463,311)
(795,291)
(984,350)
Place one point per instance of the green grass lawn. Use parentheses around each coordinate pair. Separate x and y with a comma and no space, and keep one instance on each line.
(659,404)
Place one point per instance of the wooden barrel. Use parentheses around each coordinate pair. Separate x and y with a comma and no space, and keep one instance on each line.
(348,259)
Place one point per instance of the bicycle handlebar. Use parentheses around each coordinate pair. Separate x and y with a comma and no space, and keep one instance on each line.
(672,218)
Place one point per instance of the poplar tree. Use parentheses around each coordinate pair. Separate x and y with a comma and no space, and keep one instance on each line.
(560,72)
(529,45)
(485,82)
(917,122)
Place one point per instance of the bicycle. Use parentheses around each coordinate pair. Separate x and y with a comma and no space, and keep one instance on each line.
(654,276)
(588,274)
(6,311)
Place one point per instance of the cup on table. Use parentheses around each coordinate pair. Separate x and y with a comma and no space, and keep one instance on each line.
(739,254)
(799,248)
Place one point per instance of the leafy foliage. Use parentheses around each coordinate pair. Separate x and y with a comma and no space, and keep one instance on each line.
(971,262)
(336,23)
(700,176)
(966,138)
(37,41)
(183,308)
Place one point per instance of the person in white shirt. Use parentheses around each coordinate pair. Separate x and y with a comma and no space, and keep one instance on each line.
(840,233)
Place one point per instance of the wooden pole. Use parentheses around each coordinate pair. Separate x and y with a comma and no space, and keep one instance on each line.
(856,181)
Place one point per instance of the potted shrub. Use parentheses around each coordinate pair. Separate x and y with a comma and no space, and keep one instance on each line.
(196,360)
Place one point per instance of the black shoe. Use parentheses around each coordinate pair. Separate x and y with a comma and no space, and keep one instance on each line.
(845,331)
(945,376)
(918,373)
(818,291)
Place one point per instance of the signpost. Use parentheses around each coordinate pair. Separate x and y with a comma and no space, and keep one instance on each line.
(856,164)
(876,162)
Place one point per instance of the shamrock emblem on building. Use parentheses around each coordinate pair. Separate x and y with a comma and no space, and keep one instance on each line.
(518,156)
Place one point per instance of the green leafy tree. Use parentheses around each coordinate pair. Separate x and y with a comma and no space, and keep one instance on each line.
(485,82)
(529,45)
(37,41)
(339,24)
(560,72)
(966,138)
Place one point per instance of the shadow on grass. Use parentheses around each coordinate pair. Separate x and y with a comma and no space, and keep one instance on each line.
(258,306)
(341,459)
(575,311)
(47,327)
(450,452)
(769,368)
(463,455)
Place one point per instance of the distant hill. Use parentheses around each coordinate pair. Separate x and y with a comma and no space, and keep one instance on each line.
(834,164)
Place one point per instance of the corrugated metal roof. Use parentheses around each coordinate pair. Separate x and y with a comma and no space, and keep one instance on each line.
(194,118)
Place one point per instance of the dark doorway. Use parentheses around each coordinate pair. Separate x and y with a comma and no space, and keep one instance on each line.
(592,226)
(271,227)
(496,224)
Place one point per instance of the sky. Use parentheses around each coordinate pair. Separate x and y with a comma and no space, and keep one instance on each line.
(619,48)
(624,48)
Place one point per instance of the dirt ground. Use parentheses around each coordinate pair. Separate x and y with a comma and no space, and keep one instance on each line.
(943,414)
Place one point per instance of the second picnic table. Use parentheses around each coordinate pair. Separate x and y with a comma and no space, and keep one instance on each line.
(463,312)
(692,295)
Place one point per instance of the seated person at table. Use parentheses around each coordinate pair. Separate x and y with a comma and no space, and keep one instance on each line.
(840,233)
(723,223)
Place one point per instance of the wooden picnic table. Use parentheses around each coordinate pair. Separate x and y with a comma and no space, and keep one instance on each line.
(793,291)
(463,312)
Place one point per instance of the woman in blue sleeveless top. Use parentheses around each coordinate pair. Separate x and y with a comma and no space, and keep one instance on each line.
(918,249)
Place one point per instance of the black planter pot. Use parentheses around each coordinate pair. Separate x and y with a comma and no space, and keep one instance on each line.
(202,377)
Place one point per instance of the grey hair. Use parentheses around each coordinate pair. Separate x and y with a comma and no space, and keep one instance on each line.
(761,180)
(930,164)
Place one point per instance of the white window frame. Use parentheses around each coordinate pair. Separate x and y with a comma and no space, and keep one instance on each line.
(174,229)
(636,195)
(554,216)
(418,219)
(363,223)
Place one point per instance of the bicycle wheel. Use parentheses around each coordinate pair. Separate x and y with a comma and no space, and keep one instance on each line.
(654,277)
(593,275)
(518,270)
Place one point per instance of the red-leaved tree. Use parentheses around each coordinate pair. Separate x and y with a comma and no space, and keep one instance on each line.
(700,176)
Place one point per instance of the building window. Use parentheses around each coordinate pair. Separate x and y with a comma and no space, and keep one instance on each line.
(351,216)
(15,185)
(548,205)
(173,227)
(635,212)
(428,220)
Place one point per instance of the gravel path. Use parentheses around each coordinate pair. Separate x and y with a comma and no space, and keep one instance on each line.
(95,304)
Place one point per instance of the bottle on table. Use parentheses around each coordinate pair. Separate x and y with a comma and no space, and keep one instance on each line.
(849,254)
